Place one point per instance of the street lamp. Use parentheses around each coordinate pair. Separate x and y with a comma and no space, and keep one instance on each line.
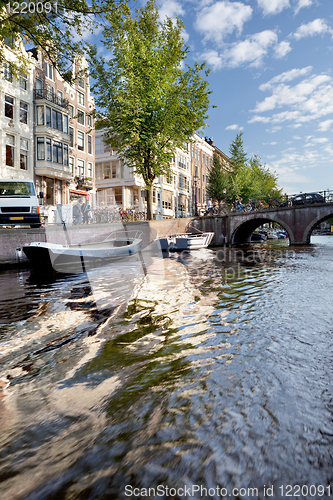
(225,197)
(195,181)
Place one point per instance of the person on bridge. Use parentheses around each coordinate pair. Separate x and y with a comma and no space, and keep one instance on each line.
(239,205)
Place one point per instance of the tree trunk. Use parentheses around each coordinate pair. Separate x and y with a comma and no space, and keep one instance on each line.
(150,204)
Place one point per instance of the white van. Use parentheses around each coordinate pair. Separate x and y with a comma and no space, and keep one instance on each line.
(18,203)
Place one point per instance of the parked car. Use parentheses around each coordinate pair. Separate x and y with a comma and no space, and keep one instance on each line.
(306,198)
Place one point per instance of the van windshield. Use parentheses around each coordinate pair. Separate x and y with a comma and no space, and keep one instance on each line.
(17,189)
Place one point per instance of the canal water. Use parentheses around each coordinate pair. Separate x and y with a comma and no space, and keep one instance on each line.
(209,376)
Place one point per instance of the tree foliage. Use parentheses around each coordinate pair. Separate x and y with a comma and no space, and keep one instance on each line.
(248,179)
(55,26)
(151,101)
(218,180)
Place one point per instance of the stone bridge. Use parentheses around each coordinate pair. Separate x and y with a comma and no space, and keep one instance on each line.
(236,228)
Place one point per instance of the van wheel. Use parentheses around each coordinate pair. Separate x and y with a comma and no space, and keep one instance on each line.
(35,225)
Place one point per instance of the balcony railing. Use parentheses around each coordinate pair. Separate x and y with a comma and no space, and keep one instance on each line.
(84,182)
(51,97)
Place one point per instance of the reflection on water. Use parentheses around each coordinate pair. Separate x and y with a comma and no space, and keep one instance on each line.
(215,370)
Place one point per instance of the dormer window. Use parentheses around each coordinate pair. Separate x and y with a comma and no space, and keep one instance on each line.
(80,82)
(48,70)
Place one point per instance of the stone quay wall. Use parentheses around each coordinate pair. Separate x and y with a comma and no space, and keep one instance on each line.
(12,240)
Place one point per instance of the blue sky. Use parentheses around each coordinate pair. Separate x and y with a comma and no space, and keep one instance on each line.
(271,77)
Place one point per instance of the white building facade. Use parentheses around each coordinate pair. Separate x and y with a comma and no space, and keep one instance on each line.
(118,185)
(16,121)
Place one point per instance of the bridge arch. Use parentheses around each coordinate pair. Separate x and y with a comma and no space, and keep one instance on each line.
(317,220)
(243,230)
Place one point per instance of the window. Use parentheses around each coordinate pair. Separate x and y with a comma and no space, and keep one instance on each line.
(48,149)
(90,170)
(56,120)
(48,70)
(9,41)
(182,162)
(48,116)
(65,124)
(10,146)
(40,148)
(60,97)
(90,145)
(98,145)
(49,92)
(71,165)
(57,152)
(71,137)
(80,117)
(71,110)
(9,107)
(89,121)
(40,115)
(24,81)
(182,182)
(7,72)
(80,166)
(23,112)
(66,154)
(80,82)
(81,98)
(23,154)
(39,87)
(80,140)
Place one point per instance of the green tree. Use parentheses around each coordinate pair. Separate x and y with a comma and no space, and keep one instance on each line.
(151,101)
(218,180)
(248,179)
(262,182)
(49,25)
(239,176)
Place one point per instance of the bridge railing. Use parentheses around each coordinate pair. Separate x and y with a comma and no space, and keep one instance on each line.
(269,203)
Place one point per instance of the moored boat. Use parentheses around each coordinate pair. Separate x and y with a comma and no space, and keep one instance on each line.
(79,257)
(186,241)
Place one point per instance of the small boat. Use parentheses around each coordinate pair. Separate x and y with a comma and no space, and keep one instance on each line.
(258,237)
(271,235)
(186,241)
(77,258)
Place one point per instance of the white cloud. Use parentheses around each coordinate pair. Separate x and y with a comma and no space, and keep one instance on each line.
(170,8)
(325,125)
(320,140)
(316,27)
(273,6)
(308,100)
(273,130)
(213,59)
(282,49)
(297,137)
(221,19)
(287,76)
(234,127)
(301,4)
(250,51)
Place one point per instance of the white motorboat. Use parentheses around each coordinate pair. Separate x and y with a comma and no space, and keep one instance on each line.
(186,241)
(271,235)
(79,257)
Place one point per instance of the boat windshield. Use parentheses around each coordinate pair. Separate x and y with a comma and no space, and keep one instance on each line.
(16,188)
